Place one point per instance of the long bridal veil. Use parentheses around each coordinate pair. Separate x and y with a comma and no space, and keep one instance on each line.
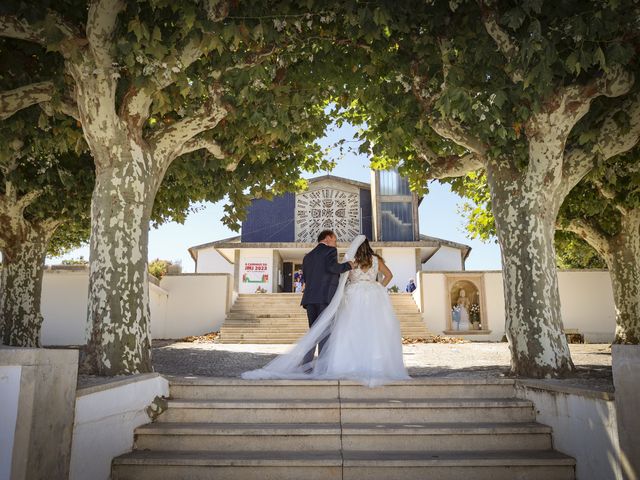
(289,365)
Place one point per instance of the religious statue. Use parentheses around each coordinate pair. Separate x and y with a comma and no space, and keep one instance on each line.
(462,308)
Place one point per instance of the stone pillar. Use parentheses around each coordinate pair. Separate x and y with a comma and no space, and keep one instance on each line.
(37,405)
(626,378)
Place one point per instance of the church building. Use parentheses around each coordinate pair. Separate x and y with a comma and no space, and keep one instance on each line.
(278,233)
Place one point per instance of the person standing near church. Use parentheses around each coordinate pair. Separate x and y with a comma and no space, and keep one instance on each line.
(411,286)
(321,272)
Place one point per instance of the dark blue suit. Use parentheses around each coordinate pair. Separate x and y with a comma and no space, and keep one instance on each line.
(321,272)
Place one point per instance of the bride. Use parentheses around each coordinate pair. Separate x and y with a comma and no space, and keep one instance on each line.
(363,334)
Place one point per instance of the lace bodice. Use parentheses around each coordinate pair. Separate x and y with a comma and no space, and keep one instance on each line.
(357,275)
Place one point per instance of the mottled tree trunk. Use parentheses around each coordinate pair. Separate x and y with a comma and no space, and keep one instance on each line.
(118,308)
(21,288)
(525,222)
(624,267)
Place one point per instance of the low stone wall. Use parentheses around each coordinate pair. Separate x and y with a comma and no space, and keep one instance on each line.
(105,417)
(584,425)
(585,295)
(181,305)
(196,304)
(626,378)
(37,395)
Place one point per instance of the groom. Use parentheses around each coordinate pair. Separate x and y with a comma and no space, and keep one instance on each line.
(321,272)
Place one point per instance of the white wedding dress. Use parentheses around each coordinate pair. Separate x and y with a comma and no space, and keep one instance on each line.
(364,341)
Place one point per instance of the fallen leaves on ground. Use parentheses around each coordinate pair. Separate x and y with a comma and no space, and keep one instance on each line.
(206,338)
(433,339)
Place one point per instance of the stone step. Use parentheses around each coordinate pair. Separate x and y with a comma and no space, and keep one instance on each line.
(256,411)
(294,333)
(297,300)
(237,322)
(285,465)
(401,303)
(283,317)
(239,465)
(278,307)
(294,437)
(299,295)
(279,310)
(231,329)
(293,312)
(274,340)
(394,410)
(262,338)
(210,388)
(277,341)
(432,437)
(297,323)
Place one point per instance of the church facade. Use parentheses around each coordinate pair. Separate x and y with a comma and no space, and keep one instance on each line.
(278,233)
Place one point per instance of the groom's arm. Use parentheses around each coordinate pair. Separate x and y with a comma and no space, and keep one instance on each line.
(332,263)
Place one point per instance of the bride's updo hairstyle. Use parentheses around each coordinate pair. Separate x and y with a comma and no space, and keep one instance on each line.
(364,255)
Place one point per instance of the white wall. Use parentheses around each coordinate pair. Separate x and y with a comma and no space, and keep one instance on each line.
(193,304)
(9,396)
(402,263)
(196,304)
(584,427)
(445,259)
(210,261)
(182,305)
(64,307)
(587,304)
(494,304)
(585,296)
(105,418)
(158,301)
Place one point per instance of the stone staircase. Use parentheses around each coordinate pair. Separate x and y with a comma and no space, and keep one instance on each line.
(279,318)
(436,428)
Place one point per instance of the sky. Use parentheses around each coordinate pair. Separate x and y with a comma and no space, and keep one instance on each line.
(438,217)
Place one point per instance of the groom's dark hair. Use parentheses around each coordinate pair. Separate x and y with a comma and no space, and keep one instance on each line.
(326,233)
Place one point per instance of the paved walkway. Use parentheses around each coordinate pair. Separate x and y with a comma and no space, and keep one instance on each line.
(593,361)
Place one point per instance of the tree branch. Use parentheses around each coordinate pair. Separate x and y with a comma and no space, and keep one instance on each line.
(208,144)
(448,166)
(574,100)
(589,232)
(12,101)
(135,106)
(613,140)
(11,202)
(66,107)
(170,140)
(212,147)
(256,60)
(610,195)
(455,132)
(20,29)
(505,43)
(28,198)
(576,164)
(137,101)
(102,20)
